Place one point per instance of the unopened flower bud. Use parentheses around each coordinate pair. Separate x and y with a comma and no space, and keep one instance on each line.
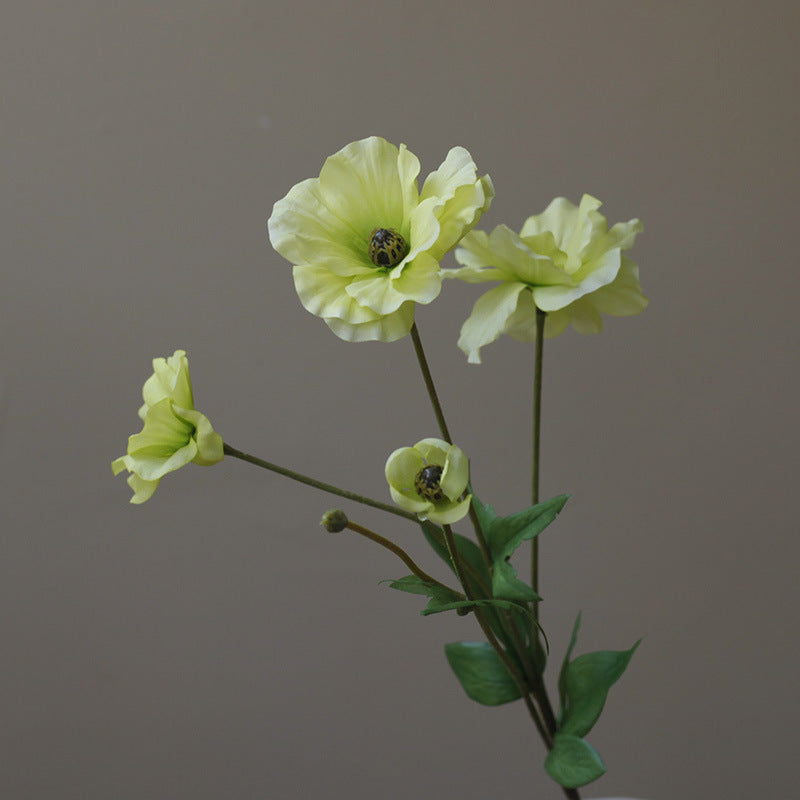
(334,520)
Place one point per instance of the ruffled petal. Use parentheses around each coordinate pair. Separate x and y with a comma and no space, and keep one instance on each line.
(593,276)
(463,197)
(142,489)
(388,328)
(209,442)
(420,280)
(170,379)
(570,225)
(370,185)
(488,319)
(623,297)
(325,295)
(305,230)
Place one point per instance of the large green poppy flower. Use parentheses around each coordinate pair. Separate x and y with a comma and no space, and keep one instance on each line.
(366,243)
(564,261)
(430,479)
(173,434)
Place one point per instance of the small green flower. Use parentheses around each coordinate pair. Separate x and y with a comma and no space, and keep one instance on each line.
(173,434)
(564,261)
(366,243)
(430,479)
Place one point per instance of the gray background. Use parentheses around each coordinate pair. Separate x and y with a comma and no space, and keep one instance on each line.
(214,642)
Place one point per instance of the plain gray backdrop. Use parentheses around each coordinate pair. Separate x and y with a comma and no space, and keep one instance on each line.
(214,642)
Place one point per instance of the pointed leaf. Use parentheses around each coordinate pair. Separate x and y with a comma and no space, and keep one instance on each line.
(505,534)
(505,583)
(573,762)
(442,603)
(508,533)
(481,672)
(587,680)
(442,597)
(562,676)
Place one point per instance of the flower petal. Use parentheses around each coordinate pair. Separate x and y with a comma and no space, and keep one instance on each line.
(142,489)
(623,296)
(305,230)
(170,379)
(463,197)
(402,467)
(410,501)
(447,515)
(210,448)
(591,277)
(389,328)
(433,450)
(455,475)
(370,185)
(488,319)
(325,295)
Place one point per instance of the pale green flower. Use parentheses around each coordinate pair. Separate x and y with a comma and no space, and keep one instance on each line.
(173,434)
(564,261)
(430,479)
(366,243)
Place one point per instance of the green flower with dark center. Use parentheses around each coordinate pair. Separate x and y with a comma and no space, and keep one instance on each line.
(430,479)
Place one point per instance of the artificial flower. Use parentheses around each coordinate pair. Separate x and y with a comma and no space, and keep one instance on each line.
(174,433)
(564,261)
(430,479)
(366,243)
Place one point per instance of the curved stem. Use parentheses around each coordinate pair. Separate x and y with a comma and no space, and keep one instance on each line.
(325,487)
(398,551)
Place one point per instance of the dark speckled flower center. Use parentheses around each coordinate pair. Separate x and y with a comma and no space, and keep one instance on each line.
(427,483)
(387,248)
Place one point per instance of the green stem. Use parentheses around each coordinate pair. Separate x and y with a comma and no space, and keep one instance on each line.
(398,551)
(537,417)
(518,679)
(426,375)
(439,413)
(325,487)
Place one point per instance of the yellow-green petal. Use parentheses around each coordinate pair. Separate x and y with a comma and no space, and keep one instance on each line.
(455,475)
(142,489)
(488,319)
(433,450)
(451,513)
(402,467)
(389,328)
(363,184)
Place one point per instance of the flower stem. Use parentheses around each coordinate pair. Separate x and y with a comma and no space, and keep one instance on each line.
(426,375)
(325,487)
(537,417)
(437,410)
(398,551)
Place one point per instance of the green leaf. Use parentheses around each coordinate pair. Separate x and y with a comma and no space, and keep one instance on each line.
(504,534)
(562,675)
(442,598)
(587,680)
(573,762)
(481,672)
(470,553)
(441,604)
